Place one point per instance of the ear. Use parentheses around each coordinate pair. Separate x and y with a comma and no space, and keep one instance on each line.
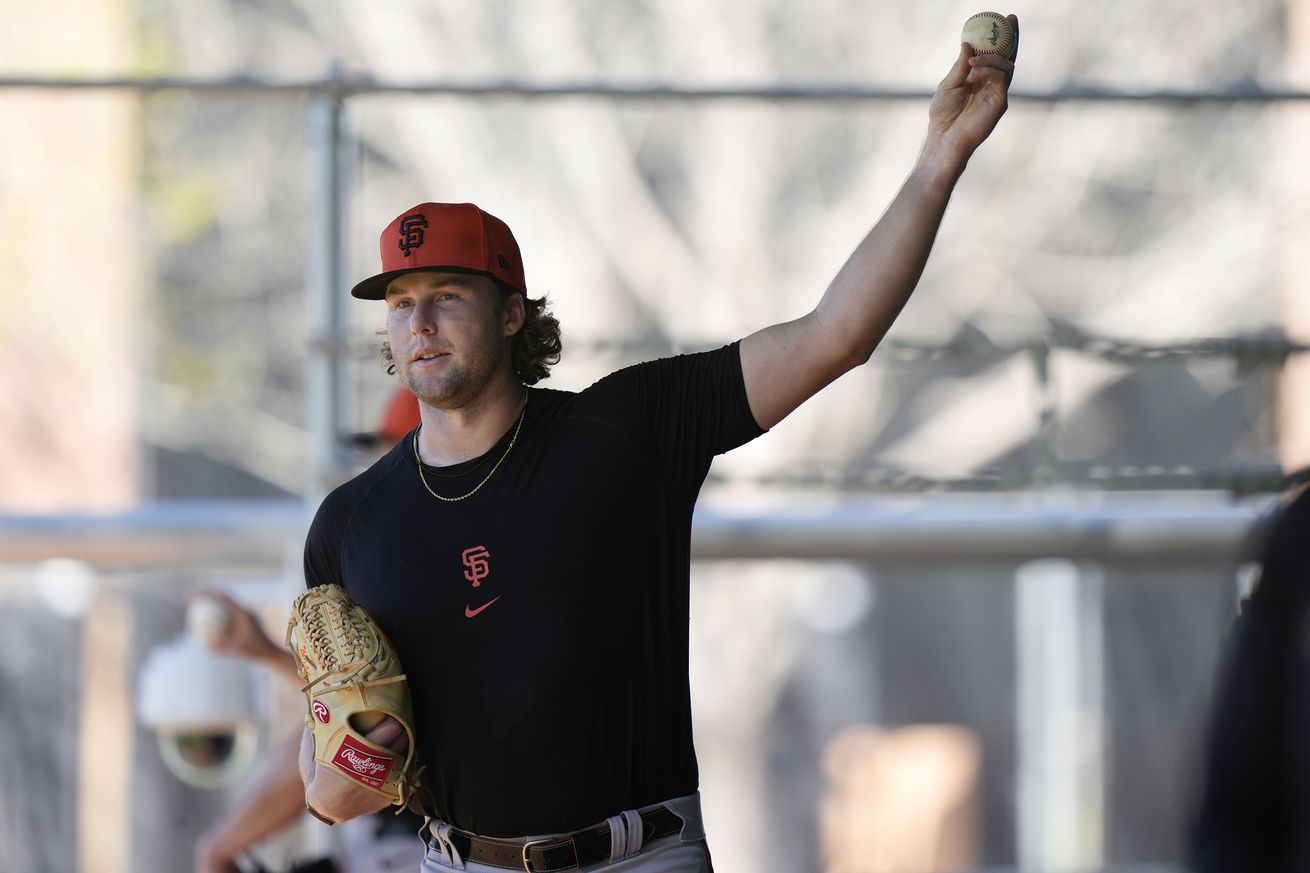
(515,313)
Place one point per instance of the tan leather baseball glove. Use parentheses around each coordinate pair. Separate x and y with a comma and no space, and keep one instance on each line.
(354,680)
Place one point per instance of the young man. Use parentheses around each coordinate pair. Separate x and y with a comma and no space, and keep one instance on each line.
(527,550)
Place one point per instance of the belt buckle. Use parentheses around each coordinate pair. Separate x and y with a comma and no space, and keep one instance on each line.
(533,844)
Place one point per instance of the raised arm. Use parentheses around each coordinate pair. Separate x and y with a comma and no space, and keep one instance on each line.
(784,365)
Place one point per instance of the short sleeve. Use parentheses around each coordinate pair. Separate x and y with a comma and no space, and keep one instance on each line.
(323,544)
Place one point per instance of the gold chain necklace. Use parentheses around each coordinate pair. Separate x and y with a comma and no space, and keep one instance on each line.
(512,441)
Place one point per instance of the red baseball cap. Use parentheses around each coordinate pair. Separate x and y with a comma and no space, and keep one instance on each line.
(458,237)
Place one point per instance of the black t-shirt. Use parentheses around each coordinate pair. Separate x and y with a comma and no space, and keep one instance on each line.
(1255,807)
(543,622)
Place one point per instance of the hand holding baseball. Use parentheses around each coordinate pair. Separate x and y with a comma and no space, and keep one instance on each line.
(208,620)
(225,626)
(975,93)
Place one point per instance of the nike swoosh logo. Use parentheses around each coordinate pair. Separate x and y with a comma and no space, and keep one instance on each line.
(469,611)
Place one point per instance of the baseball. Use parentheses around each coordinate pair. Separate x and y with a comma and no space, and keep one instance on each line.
(207,619)
(990,33)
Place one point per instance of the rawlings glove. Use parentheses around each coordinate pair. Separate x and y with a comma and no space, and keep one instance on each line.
(354,681)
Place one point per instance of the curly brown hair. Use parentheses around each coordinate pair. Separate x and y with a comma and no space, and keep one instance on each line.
(533,350)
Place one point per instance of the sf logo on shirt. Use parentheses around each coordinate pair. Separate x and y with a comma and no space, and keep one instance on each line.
(477,560)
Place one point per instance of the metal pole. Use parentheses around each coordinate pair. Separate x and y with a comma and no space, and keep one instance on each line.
(324,382)
(327,341)
(1042,446)
(1059,630)
(1235,93)
(1188,527)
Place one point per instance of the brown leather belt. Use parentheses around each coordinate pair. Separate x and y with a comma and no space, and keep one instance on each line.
(566,852)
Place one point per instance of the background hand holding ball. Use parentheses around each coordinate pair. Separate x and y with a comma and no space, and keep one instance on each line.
(208,620)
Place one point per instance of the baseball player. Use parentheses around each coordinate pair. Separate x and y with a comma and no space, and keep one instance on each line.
(527,549)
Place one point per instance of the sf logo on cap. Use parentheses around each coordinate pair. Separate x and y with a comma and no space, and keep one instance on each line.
(411,232)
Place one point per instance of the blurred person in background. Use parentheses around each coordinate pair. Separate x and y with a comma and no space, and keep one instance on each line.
(274,800)
(527,550)
(397,420)
(1254,811)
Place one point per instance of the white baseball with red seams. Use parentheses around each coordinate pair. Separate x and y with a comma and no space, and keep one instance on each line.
(989,33)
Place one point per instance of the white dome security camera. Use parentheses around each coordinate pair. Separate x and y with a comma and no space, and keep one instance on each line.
(202,707)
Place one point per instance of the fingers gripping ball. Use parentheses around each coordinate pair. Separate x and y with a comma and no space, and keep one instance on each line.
(354,681)
(990,33)
(208,620)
